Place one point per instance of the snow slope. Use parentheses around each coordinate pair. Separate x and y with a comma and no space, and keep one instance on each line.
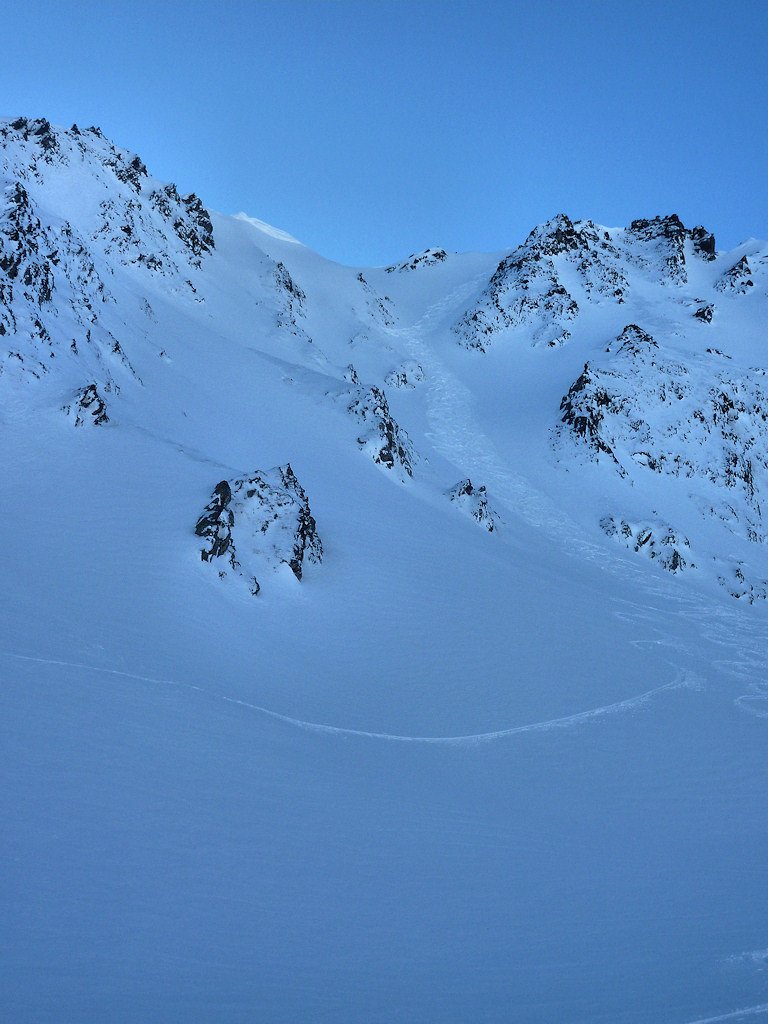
(442,772)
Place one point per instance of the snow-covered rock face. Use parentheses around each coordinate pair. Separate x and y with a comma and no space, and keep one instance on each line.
(386,442)
(738,279)
(407,375)
(473,501)
(655,539)
(87,407)
(259,523)
(428,258)
(73,207)
(690,417)
(530,287)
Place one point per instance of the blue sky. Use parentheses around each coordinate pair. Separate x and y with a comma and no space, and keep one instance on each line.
(374,129)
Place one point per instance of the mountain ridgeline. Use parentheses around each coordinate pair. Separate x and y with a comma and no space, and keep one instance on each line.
(631,360)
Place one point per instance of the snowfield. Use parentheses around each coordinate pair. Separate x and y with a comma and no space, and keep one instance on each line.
(426,771)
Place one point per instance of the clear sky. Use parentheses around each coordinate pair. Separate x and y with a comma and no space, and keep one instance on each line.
(373,129)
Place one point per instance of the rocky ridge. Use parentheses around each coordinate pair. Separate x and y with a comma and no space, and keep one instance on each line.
(56,266)
(527,289)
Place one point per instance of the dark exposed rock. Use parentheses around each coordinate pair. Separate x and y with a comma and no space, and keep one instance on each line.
(633,341)
(705,313)
(188,217)
(288,286)
(670,227)
(195,228)
(215,525)
(292,300)
(738,279)
(388,444)
(585,406)
(703,242)
(25,253)
(130,172)
(428,258)
(668,235)
(87,407)
(526,291)
(268,515)
(35,262)
(474,501)
(736,583)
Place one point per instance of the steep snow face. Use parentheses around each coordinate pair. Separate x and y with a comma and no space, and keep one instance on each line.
(345,739)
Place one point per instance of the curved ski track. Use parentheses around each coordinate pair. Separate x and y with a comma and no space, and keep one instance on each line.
(683,681)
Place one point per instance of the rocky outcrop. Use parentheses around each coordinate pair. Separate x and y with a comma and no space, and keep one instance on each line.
(735,581)
(428,258)
(664,239)
(379,307)
(53,296)
(407,375)
(258,523)
(191,221)
(215,525)
(656,540)
(525,291)
(737,280)
(689,417)
(387,443)
(473,501)
(705,313)
(87,407)
(535,291)
(703,242)
(597,396)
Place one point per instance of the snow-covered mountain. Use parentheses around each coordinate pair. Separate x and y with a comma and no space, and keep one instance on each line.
(379,644)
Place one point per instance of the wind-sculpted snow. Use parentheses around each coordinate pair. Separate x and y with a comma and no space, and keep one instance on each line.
(259,523)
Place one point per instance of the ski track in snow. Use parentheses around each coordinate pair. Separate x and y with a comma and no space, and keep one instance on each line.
(748,1011)
(683,681)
